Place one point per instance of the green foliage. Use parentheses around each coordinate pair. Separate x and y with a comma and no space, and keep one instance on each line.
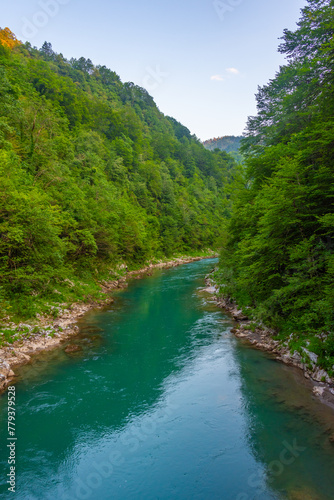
(92,174)
(278,258)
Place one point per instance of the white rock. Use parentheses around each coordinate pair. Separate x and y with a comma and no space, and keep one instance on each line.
(313,357)
(320,376)
(296,356)
(318,391)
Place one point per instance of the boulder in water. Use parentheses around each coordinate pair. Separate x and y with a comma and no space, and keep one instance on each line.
(73,348)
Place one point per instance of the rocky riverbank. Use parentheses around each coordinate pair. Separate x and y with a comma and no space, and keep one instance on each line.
(262,338)
(48,333)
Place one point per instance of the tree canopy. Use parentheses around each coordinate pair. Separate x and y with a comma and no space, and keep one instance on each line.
(278,258)
(92,174)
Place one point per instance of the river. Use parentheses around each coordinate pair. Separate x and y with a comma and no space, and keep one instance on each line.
(163,402)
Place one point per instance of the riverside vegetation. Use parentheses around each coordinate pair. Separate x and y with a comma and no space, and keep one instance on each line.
(93,178)
(277,261)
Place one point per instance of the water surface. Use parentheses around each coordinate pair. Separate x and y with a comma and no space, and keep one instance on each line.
(164,402)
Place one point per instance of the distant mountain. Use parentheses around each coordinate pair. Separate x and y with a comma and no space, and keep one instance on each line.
(227,143)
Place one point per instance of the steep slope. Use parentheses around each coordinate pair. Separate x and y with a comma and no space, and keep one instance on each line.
(92,174)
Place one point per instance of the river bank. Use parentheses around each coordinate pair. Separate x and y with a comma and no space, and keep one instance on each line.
(49,333)
(162,385)
(261,338)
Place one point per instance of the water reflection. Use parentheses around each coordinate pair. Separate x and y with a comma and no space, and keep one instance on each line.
(163,402)
(289,431)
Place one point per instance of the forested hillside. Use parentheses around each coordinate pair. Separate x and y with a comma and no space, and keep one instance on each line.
(93,175)
(278,259)
(228,143)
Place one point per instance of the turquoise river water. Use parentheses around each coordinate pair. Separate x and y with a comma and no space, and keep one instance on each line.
(163,402)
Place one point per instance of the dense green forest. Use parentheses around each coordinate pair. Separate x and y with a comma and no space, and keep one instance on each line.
(93,175)
(278,255)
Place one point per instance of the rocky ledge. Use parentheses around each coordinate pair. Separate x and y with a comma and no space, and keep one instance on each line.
(262,338)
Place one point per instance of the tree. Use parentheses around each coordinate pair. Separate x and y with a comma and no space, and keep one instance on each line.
(8,39)
(279,255)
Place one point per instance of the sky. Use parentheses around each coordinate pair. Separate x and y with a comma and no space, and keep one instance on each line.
(201,60)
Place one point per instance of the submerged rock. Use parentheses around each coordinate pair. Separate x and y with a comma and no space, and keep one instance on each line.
(73,348)
(302,494)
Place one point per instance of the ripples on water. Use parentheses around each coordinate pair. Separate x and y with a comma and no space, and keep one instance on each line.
(164,403)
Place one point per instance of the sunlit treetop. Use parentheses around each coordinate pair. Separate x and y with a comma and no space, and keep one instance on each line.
(8,38)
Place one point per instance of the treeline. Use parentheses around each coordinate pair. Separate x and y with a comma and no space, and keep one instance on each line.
(92,174)
(278,258)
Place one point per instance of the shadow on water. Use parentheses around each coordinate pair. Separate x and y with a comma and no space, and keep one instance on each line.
(128,351)
(166,397)
(290,434)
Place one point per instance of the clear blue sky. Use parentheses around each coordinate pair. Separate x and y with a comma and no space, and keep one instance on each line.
(201,60)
